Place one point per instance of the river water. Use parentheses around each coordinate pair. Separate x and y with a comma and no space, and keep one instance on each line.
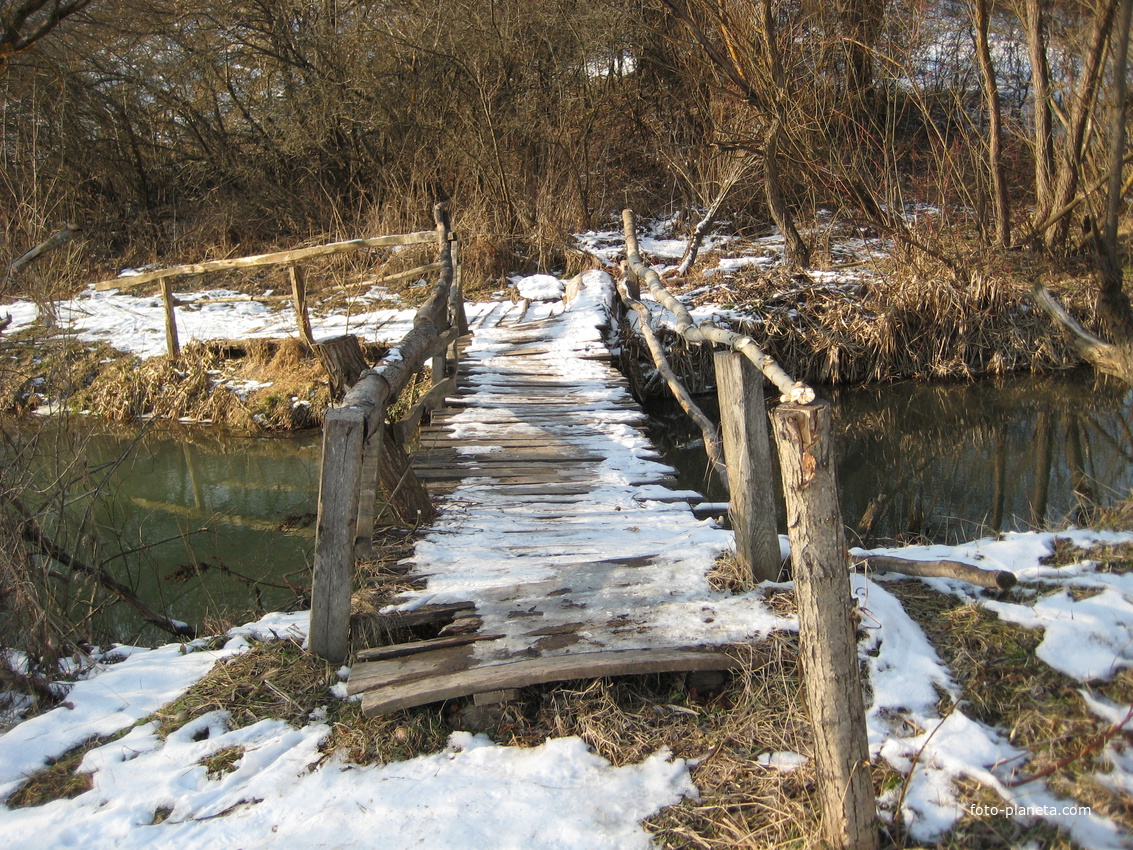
(949,462)
(217,527)
(204,525)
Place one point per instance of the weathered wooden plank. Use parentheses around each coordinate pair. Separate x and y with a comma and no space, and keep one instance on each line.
(595,352)
(537,671)
(172,344)
(405,427)
(804,435)
(381,674)
(571,407)
(368,494)
(425,615)
(299,296)
(747,451)
(399,650)
(419,271)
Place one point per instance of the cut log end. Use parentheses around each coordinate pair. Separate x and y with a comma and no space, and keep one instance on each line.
(990,579)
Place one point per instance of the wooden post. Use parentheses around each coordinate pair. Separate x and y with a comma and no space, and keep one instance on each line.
(339,479)
(299,294)
(747,452)
(368,491)
(407,495)
(456,293)
(172,344)
(803,435)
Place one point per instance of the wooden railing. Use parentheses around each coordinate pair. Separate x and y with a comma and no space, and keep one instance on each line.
(803,430)
(357,444)
(291,259)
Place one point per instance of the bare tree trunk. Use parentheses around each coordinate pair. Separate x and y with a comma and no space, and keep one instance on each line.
(860,22)
(982,17)
(1070,159)
(1040,83)
(798,252)
(1113,304)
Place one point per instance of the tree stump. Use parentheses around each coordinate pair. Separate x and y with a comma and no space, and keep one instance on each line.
(343,360)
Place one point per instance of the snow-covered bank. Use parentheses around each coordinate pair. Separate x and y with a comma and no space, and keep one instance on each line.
(284,792)
(150,792)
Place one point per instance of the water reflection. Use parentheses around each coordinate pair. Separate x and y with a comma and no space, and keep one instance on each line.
(949,462)
(203,525)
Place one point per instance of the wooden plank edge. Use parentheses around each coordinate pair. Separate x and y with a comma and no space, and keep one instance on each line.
(400,650)
(538,671)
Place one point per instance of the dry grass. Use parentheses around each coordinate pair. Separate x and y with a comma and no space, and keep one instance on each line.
(60,780)
(222,761)
(203,384)
(725,725)
(1006,686)
(910,319)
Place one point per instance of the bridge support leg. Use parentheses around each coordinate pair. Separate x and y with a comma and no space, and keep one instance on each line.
(339,480)
(828,647)
(747,452)
(368,491)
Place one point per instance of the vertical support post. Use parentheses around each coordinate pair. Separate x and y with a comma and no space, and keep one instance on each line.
(172,344)
(299,294)
(456,293)
(339,479)
(438,367)
(747,452)
(445,255)
(803,435)
(368,491)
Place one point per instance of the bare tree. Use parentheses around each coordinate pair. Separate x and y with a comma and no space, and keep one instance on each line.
(757,77)
(981,17)
(1058,161)
(24,22)
(1113,356)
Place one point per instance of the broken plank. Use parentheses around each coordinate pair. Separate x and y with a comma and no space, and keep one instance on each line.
(399,650)
(537,671)
(422,616)
(380,674)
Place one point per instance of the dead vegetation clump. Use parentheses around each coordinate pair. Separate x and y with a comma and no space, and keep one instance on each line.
(908,320)
(279,680)
(60,780)
(255,384)
(722,723)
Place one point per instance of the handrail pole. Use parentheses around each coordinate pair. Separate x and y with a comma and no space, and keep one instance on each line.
(352,446)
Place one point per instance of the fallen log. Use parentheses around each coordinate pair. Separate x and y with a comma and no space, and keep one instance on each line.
(991,579)
(1116,360)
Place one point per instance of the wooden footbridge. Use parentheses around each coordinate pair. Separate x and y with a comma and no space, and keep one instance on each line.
(561,548)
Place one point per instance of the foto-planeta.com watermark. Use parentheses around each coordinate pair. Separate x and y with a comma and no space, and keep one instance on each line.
(1028,811)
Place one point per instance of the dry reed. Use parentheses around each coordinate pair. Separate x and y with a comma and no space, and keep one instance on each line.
(906,320)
